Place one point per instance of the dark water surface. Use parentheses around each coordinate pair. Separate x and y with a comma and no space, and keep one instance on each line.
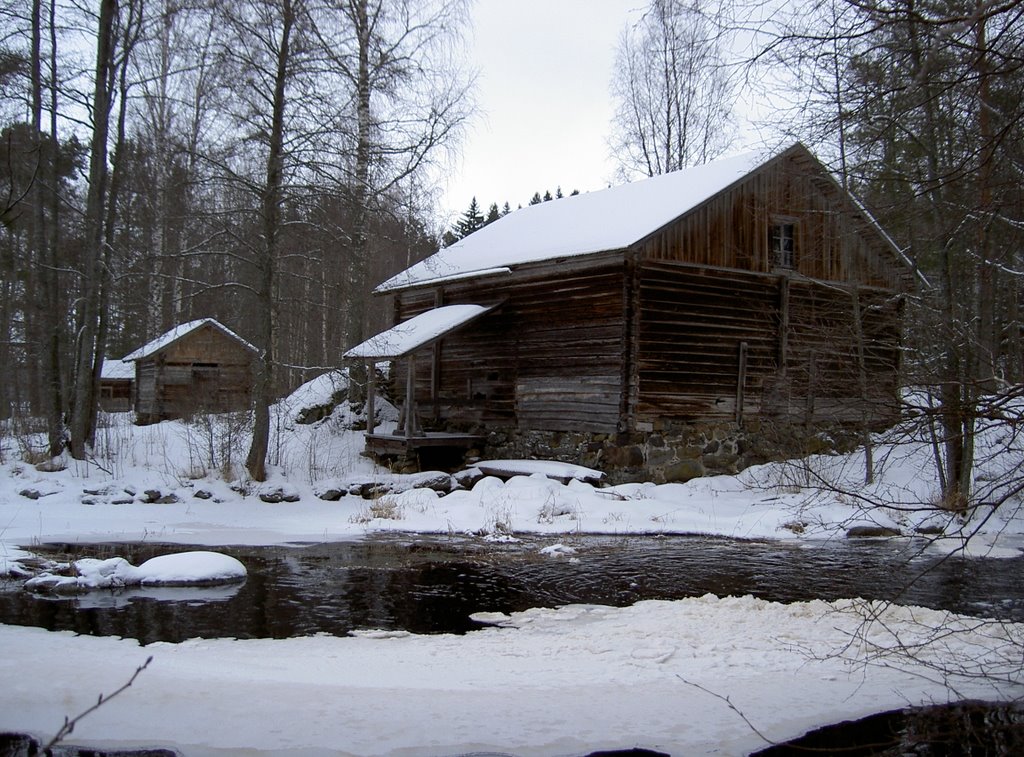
(433,584)
(963,729)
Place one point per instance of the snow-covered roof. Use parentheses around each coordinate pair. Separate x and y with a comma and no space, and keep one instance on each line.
(165,340)
(116,370)
(409,336)
(584,224)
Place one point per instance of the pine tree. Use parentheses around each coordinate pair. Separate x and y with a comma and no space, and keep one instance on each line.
(536,199)
(547,195)
(506,209)
(492,214)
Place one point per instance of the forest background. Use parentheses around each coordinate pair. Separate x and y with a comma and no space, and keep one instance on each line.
(266,162)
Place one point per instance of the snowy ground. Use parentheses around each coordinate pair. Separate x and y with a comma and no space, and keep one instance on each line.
(544,682)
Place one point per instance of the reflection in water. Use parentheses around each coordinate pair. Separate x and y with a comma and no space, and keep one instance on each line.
(116,600)
(433,585)
(977,729)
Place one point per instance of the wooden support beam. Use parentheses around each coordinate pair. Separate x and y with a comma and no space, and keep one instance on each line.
(371,391)
(410,397)
(435,364)
(783,323)
(741,381)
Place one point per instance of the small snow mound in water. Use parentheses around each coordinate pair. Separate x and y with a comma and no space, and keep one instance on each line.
(191,567)
(491,618)
(180,569)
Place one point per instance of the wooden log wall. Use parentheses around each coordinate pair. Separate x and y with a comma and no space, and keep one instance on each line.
(549,358)
(822,380)
(798,347)
(145,389)
(468,379)
(692,322)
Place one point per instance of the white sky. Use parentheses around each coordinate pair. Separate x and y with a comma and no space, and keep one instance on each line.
(543,92)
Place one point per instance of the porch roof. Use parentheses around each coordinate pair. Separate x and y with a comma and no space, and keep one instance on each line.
(419,331)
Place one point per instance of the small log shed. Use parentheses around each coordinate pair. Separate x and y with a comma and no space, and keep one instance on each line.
(199,366)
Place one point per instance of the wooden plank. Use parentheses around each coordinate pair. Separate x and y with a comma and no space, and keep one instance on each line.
(389,444)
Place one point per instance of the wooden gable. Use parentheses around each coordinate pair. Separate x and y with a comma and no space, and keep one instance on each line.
(207,345)
(834,239)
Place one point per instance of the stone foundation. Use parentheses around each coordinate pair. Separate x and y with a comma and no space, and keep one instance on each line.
(671,455)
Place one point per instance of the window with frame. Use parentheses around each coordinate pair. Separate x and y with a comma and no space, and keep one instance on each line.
(782,243)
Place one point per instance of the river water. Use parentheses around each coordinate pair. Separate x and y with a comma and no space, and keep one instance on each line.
(433,584)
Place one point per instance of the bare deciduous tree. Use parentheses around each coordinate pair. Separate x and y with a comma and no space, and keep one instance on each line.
(88,350)
(672,94)
(409,104)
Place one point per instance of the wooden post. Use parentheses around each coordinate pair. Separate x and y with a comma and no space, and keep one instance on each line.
(783,323)
(410,398)
(741,381)
(862,382)
(630,380)
(812,380)
(371,391)
(435,365)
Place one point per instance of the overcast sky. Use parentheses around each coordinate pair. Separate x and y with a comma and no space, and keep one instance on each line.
(543,92)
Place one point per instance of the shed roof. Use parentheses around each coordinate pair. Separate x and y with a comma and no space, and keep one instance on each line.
(164,341)
(417,332)
(585,224)
(117,370)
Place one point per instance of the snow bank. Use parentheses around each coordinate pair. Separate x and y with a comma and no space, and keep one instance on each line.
(321,391)
(545,682)
(542,682)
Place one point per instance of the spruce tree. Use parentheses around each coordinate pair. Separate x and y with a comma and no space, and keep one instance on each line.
(471,221)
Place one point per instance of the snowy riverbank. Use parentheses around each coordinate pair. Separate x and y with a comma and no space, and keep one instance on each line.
(547,682)
(561,682)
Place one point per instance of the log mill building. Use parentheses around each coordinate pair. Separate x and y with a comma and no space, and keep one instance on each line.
(698,321)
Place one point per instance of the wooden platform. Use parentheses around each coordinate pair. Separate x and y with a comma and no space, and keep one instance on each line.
(395,444)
